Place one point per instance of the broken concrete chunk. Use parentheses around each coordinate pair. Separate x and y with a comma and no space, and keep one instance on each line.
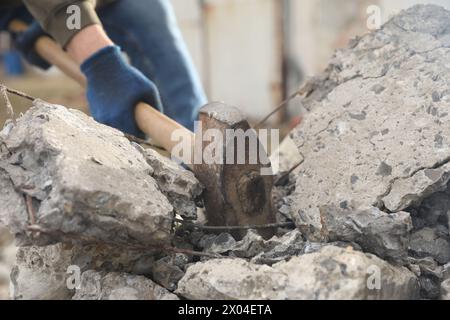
(221,243)
(432,211)
(44,272)
(231,279)
(41,274)
(445,290)
(427,266)
(283,248)
(430,276)
(84,182)
(331,273)
(251,245)
(429,287)
(178,184)
(261,251)
(254,247)
(166,273)
(119,286)
(353,275)
(383,234)
(427,242)
(412,190)
(446,271)
(385,148)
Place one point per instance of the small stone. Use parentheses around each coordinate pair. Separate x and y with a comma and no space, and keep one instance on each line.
(166,273)
(429,287)
(378,88)
(221,243)
(428,266)
(434,209)
(384,170)
(436,96)
(178,184)
(251,245)
(383,234)
(289,245)
(426,242)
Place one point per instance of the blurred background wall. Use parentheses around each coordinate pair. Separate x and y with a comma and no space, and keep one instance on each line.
(253,53)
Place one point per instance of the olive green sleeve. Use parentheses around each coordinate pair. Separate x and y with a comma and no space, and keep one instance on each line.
(53,15)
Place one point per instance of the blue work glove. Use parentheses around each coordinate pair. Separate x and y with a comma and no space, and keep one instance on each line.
(25,42)
(114,88)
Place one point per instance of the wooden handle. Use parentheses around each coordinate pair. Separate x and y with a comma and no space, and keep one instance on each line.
(152,122)
(160,127)
(51,52)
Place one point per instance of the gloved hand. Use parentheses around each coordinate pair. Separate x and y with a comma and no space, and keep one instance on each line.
(9,14)
(114,88)
(25,42)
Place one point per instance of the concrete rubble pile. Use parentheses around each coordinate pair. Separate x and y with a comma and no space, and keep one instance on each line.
(370,202)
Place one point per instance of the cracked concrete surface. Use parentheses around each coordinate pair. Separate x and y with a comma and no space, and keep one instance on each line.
(381,136)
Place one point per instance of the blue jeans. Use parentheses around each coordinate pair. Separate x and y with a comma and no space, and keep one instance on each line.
(147,31)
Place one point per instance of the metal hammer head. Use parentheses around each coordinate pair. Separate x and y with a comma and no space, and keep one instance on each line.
(236,193)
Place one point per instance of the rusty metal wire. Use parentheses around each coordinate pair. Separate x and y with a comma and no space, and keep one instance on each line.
(16,92)
(277,109)
(36,229)
(231,228)
(9,108)
(4,90)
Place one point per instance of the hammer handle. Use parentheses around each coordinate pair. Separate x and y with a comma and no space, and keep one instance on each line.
(152,122)
(52,53)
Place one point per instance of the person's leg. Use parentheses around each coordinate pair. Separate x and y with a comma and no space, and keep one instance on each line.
(147,31)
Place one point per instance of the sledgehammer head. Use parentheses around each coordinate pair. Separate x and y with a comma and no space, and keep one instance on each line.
(235,171)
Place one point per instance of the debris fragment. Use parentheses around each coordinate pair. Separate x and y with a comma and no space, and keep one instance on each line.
(49,160)
(331,273)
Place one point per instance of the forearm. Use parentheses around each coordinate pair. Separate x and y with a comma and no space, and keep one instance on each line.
(87,42)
